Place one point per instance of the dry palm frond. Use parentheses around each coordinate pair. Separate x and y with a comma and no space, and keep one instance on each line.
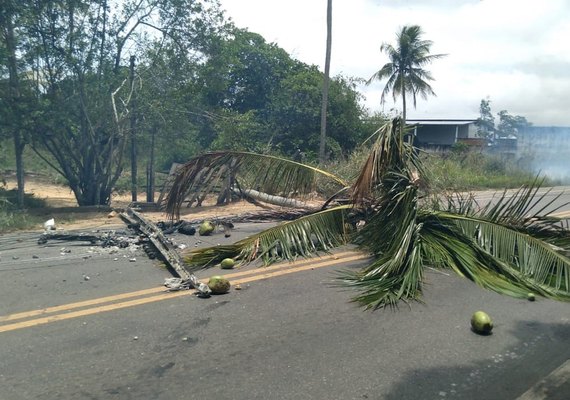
(269,174)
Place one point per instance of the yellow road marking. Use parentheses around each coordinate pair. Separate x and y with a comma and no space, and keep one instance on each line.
(307,265)
(71,306)
(122,296)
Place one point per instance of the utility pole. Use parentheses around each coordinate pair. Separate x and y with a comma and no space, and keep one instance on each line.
(134,186)
(322,148)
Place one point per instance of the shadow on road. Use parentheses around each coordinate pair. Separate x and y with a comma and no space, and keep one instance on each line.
(540,349)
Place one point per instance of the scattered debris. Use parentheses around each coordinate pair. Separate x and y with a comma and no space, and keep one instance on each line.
(165,248)
(174,284)
(49,225)
(107,239)
(186,229)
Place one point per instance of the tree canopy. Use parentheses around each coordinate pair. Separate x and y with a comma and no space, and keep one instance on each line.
(196,83)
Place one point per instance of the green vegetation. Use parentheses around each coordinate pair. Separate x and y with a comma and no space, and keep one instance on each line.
(12,218)
(475,171)
(194,83)
(458,170)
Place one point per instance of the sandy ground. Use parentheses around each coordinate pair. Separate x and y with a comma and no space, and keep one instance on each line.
(61,196)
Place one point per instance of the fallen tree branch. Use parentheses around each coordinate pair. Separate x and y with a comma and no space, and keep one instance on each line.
(275,200)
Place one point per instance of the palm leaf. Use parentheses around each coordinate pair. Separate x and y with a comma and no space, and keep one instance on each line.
(525,210)
(396,275)
(269,174)
(444,247)
(302,237)
(389,154)
(534,260)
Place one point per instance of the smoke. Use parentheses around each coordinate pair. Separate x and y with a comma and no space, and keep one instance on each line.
(545,150)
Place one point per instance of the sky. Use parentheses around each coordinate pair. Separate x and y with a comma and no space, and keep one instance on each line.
(516,53)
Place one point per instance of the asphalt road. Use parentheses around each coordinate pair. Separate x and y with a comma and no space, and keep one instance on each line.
(92,324)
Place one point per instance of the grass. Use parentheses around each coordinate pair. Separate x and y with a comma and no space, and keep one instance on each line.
(475,170)
(455,170)
(12,219)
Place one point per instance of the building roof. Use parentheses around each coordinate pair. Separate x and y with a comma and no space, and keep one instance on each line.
(441,121)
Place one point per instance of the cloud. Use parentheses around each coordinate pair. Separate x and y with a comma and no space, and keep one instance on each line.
(515,52)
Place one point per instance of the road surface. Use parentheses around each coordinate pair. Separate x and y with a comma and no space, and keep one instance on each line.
(78,322)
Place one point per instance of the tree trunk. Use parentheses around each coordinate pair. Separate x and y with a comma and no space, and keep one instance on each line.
(403,109)
(322,144)
(275,200)
(14,84)
(134,184)
(150,173)
(19,145)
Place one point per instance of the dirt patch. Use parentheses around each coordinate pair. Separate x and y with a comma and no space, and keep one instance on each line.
(58,196)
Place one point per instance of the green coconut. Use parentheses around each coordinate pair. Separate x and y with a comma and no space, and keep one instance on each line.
(481,323)
(206,228)
(227,263)
(218,284)
(530,297)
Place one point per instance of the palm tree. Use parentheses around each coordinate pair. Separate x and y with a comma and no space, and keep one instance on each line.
(404,72)
(508,246)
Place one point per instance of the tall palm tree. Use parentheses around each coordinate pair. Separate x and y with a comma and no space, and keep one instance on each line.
(508,246)
(405,72)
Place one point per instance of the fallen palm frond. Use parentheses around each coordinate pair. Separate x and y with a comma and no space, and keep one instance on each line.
(303,237)
(389,154)
(268,174)
(510,245)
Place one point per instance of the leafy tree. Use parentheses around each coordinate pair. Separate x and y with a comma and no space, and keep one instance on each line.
(294,114)
(247,81)
(511,124)
(405,72)
(243,72)
(486,121)
(79,49)
(508,246)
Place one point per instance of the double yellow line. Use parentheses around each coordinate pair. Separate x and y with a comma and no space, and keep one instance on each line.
(116,302)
